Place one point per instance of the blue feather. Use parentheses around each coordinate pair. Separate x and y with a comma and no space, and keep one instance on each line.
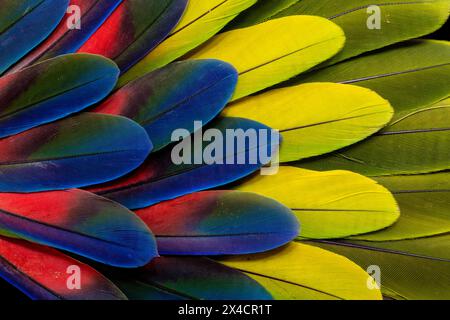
(24,24)
(219,223)
(78,151)
(52,90)
(79,222)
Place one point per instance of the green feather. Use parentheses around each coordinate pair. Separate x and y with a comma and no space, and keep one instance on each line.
(410,76)
(419,142)
(410,269)
(424,204)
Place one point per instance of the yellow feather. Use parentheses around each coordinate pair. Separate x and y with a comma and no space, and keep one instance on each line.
(274,51)
(202,20)
(330,204)
(316,118)
(302,272)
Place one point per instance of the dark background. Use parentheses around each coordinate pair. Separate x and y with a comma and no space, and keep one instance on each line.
(7,292)
(442,34)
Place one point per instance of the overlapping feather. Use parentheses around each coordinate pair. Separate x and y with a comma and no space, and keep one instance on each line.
(332,204)
(174,97)
(419,77)
(303,272)
(137,27)
(368,24)
(90,149)
(72,31)
(162,178)
(424,205)
(202,20)
(398,148)
(272,52)
(410,269)
(198,279)
(316,118)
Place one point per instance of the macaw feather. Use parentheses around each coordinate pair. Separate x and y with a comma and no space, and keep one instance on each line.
(47,274)
(31,97)
(78,151)
(218,223)
(197,279)
(79,222)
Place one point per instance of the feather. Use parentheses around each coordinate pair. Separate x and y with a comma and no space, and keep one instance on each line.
(303,272)
(416,269)
(262,11)
(416,143)
(197,279)
(160,179)
(82,150)
(435,247)
(43,273)
(174,97)
(218,223)
(52,90)
(424,204)
(79,222)
(68,40)
(24,24)
(316,118)
(134,29)
(274,51)
(202,20)
(399,20)
(328,204)
(423,65)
